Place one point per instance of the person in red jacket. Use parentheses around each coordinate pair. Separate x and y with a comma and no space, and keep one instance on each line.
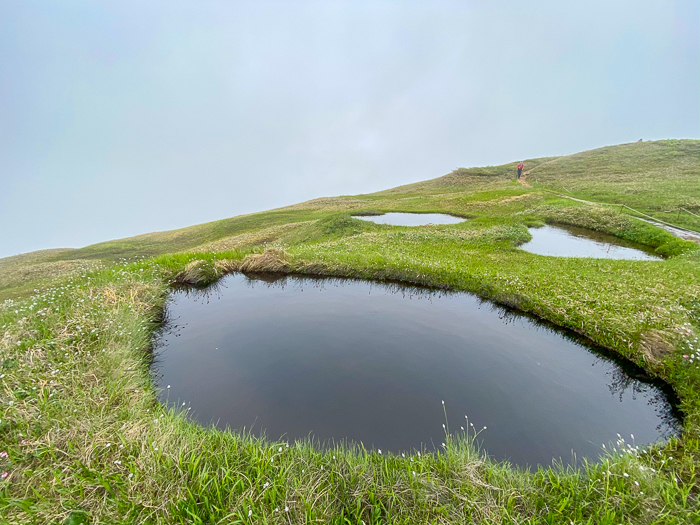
(520,169)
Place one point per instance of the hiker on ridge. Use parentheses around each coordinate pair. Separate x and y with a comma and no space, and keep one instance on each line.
(520,169)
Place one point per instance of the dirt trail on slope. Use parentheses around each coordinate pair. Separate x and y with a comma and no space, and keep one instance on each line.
(682,233)
(523,178)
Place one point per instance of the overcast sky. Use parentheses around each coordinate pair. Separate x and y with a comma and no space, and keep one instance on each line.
(119,118)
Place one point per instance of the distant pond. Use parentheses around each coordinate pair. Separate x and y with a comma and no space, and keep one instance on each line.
(572,241)
(368,362)
(411,219)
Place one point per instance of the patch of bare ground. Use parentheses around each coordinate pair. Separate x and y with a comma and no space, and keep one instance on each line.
(523,180)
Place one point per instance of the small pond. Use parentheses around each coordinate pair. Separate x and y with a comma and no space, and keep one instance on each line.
(411,219)
(572,241)
(371,363)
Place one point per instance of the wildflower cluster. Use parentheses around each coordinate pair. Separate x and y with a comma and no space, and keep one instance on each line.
(692,347)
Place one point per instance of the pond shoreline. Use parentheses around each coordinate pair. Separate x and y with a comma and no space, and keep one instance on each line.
(221,307)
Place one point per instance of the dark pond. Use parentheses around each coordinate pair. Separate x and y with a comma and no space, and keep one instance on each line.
(371,363)
(411,219)
(571,241)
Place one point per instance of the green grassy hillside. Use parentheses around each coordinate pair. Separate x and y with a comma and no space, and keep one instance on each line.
(83,438)
(657,178)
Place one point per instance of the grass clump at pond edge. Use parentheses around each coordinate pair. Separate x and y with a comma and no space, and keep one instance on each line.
(85,437)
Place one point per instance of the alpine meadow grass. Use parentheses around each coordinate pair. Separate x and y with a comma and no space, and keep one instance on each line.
(83,438)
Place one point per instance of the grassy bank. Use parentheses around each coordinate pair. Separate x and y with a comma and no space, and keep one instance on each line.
(86,441)
(657,178)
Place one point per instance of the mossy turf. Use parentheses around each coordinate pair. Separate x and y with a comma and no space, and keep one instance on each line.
(84,440)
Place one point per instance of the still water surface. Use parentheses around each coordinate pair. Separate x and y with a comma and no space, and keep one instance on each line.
(572,241)
(371,363)
(411,219)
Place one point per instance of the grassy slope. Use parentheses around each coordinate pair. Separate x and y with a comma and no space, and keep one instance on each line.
(657,178)
(186,238)
(76,385)
(20,274)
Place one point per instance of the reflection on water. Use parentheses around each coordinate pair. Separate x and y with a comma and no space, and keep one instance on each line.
(571,241)
(371,363)
(411,219)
